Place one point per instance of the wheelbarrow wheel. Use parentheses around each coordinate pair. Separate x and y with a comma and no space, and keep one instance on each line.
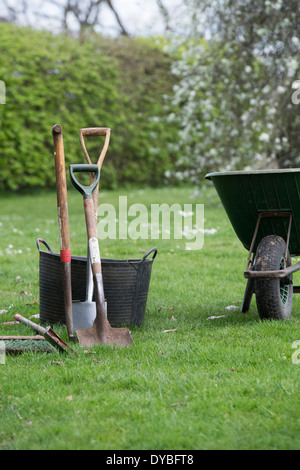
(274,296)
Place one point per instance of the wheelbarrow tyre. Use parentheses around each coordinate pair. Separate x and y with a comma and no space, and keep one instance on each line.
(274,296)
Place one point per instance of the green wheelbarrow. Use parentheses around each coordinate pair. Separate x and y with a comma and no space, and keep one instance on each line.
(264,210)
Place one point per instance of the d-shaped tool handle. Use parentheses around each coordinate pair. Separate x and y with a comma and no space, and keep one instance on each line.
(86,191)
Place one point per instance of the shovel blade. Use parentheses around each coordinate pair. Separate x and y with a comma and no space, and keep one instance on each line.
(56,341)
(104,335)
(84,314)
(101,331)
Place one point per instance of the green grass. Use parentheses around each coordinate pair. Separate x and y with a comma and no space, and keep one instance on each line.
(227,383)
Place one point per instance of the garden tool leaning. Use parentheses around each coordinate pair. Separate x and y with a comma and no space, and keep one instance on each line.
(63,222)
(101,331)
(84,313)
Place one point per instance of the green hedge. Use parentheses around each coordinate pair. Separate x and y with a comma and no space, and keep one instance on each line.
(50,79)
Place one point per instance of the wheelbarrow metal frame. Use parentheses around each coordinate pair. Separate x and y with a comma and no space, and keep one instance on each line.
(249,273)
(248,197)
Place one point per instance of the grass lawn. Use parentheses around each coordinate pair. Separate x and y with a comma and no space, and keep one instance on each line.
(225,383)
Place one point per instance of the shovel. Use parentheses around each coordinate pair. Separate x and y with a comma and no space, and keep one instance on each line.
(101,331)
(84,313)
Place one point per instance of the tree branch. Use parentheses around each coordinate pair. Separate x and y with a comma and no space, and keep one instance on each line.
(165,14)
(123,30)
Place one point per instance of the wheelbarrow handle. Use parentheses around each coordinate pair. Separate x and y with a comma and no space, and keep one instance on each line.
(86,191)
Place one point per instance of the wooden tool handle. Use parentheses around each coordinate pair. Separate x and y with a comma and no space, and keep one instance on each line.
(22,338)
(91,226)
(61,187)
(94,131)
(30,323)
(63,221)
(98,132)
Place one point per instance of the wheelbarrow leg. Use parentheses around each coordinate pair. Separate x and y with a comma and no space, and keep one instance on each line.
(248,296)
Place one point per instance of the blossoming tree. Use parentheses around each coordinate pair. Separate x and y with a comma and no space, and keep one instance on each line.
(236,79)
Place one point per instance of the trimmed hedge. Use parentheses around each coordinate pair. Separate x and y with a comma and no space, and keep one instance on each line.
(50,79)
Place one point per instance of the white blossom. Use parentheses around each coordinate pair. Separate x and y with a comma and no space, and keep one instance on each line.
(264,137)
